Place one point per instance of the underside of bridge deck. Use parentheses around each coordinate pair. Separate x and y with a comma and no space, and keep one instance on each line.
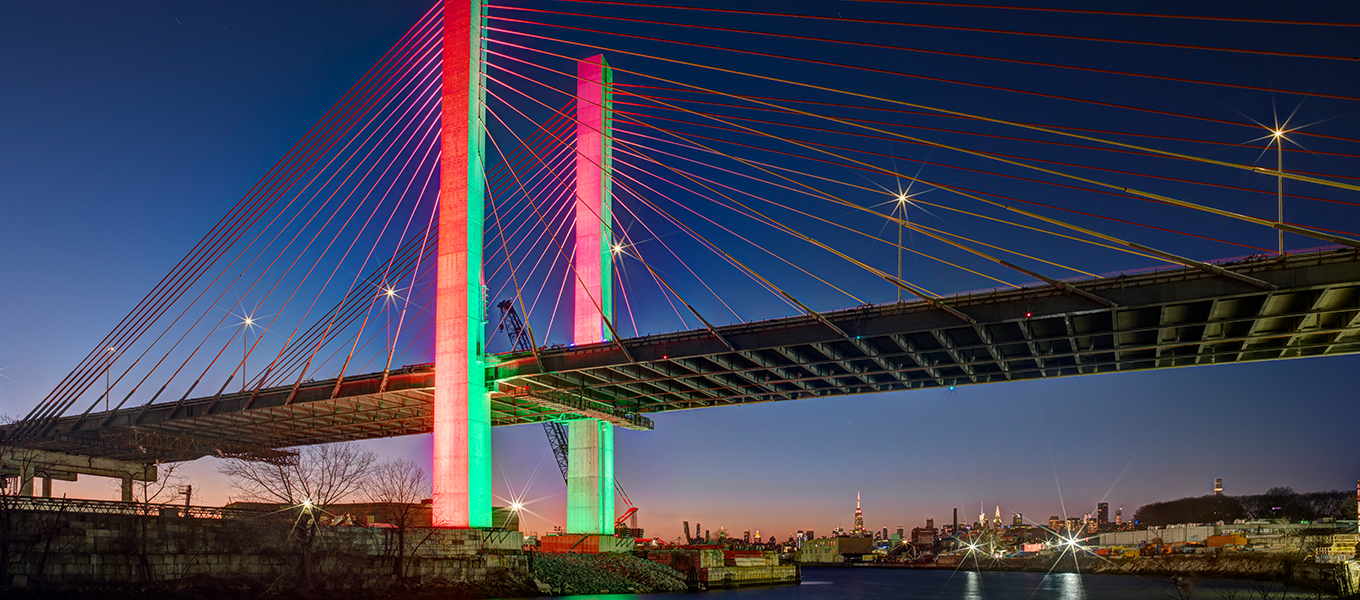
(1300,305)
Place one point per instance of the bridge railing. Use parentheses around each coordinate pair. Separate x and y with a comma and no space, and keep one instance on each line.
(110,507)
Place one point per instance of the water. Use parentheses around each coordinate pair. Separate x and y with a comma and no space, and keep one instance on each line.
(906,584)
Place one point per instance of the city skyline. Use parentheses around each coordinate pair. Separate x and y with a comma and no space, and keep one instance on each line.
(104,191)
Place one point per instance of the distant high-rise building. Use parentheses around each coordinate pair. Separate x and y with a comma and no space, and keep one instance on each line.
(1055,523)
(812,535)
(706,536)
(1119,514)
(699,530)
(955,529)
(885,534)
(982,516)
(746,536)
(1218,486)
(1102,514)
(996,520)
(758,536)
(1017,520)
(859,516)
(1074,525)
(901,529)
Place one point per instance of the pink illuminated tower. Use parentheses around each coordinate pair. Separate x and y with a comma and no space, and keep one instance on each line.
(590,460)
(462,407)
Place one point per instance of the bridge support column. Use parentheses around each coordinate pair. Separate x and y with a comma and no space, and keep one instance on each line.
(590,461)
(462,406)
(127,489)
(26,475)
(590,477)
(47,487)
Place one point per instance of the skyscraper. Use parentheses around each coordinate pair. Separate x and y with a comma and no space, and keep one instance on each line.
(1218,486)
(1017,520)
(1119,514)
(1055,523)
(859,516)
(1102,514)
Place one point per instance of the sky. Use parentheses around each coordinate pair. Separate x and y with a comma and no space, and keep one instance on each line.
(130,130)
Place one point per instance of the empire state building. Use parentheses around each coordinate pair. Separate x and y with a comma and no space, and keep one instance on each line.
(859,516)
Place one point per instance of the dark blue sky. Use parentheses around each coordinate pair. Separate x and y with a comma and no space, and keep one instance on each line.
(129,130)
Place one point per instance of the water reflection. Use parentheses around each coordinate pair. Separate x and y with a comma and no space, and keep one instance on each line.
(1070,587)
(910,584)
(972,586)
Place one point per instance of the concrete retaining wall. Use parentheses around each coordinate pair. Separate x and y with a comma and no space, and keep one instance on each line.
(77,549)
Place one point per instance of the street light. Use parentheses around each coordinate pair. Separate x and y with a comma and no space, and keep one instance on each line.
(245,350)
(391,294)
(108,388)
(1278,135)
(902,207)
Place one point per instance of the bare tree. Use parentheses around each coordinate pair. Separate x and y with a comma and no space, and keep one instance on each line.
(322,475)
(19,470)
(397,481)
(161,491)
(399,485)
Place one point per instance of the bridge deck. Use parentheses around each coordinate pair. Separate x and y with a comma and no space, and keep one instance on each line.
(1304,305)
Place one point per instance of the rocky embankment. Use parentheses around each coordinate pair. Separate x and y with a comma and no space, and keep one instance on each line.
(568,574)
(551,574)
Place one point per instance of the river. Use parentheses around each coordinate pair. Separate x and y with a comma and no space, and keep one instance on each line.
(908,584)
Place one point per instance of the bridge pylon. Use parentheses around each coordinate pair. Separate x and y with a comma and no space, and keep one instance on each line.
(462,404)
(590,461)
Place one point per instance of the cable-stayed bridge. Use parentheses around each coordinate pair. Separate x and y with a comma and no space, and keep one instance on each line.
(1162,319)
(514,158)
